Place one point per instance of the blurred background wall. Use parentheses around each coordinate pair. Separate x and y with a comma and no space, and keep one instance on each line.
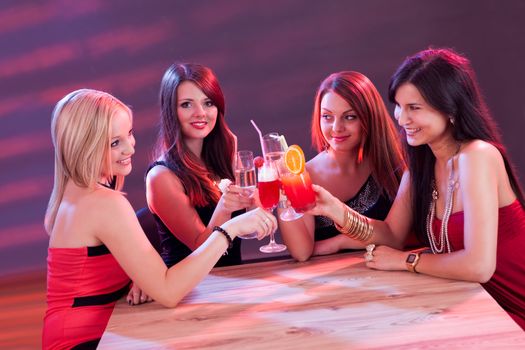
(270,56)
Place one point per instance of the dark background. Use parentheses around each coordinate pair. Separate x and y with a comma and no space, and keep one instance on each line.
(270,56)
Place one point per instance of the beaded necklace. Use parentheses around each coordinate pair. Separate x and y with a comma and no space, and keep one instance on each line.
(438,244)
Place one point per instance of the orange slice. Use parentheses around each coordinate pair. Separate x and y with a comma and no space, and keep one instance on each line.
(294,159)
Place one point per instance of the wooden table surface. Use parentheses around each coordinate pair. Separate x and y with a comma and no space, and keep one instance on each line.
(330,301)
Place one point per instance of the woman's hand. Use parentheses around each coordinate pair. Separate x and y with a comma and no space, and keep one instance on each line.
(234,199)
(386,258)
(256,220)
(137,296)
(325,203)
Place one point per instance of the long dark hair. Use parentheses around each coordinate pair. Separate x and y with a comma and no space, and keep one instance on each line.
(447,82)
(196,175)
(380,142)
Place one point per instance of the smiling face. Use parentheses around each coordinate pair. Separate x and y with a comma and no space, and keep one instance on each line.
(339,123)
(196,112)
(422,123)
(122,143)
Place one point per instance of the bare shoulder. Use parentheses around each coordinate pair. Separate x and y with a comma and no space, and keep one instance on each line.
(114,214)
(109,204)
(477,147)
(164,189)
(161,177)
(480,163)
(478,151)
(317,163)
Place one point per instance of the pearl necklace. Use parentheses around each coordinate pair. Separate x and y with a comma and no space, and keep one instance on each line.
(439,244)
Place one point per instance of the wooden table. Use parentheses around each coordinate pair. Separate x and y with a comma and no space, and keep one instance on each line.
(327,303)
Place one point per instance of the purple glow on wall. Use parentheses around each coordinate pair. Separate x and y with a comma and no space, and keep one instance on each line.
(269,60)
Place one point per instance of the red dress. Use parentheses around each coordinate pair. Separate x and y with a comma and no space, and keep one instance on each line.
(83,285)
(507,284)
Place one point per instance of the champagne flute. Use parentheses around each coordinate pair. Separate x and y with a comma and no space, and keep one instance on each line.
(245,179)
(268,186)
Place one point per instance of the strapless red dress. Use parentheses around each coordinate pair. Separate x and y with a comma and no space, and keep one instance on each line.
(83,285)
(507,285)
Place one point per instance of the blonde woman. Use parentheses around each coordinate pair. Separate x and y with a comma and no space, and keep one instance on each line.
(96,244)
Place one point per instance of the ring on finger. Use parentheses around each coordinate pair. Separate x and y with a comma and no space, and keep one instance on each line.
(369,256)
(370,248)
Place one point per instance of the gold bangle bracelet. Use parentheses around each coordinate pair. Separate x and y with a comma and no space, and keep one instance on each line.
(355,226)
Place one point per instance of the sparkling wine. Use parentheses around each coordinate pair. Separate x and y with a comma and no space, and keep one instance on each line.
(245,178)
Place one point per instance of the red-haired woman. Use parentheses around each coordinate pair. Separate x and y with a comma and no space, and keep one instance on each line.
(360,160)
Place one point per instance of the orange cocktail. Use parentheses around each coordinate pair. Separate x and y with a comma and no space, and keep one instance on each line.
(298,189)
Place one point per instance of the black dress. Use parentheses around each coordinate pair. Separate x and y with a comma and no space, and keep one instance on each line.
(369,201)
(173,250)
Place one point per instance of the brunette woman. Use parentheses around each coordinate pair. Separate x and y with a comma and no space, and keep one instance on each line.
(461,196)
(195,150)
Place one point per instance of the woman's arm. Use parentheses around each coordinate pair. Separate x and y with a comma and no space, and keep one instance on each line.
(393,231)
(478,166)
(167,199)
(298,235)
(121,233)
(481,169)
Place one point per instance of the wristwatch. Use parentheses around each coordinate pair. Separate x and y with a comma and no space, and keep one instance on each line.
(411,261)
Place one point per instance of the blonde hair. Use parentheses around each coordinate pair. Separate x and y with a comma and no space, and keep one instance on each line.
(81,133)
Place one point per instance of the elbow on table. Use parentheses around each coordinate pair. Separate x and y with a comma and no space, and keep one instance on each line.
(301,256)
(168,298)
(169,302)
(482,273)
(485,276)
(300,253)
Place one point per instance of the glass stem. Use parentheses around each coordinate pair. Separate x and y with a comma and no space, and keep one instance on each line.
(272,238)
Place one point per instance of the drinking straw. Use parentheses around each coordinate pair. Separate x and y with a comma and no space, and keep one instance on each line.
(282,140)
(260,135)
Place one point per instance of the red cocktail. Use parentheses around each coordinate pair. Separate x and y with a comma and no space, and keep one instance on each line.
(268,185)
(269,194)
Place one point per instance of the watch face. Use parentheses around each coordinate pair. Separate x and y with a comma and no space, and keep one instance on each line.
(411,258)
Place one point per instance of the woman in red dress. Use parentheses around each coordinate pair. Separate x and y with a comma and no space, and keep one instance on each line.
(96,243)
(460,196)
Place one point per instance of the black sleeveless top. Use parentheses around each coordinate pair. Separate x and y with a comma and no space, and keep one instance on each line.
(173,250)
(368,201)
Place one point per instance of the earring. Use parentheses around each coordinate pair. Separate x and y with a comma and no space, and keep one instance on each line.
(452,120)
(360,152)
